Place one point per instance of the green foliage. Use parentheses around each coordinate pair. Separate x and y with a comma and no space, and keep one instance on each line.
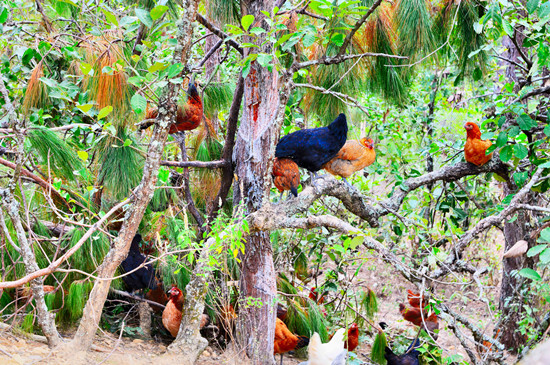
(55,153)
(217,97)
(378,348)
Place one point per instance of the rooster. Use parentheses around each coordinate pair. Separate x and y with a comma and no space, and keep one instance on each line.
(285,340)
(475,148)
(188,117)
(286,176)
(353,157)
(331,353)
(312,148)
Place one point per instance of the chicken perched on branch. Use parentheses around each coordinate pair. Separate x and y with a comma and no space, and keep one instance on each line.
(475,148)
(353,157)
(312,148)
(188,117)
(286,176)
(285,340)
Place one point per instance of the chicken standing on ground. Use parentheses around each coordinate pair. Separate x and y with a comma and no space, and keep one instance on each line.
(353,157)
(410,357)
(475,148)
(142,278)
(331,353)
(286,176)
(188,117)
(353,337)
(285,340)
(171,316)
(312,148)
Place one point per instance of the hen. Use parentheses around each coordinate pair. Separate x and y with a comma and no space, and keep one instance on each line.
(171,316)
(475,147)
(353,338)
(410,357)
(353,157)
(314,295)
(286,175)
(188,117)
(415,300)
(418,317)
(312,148)
(331,353)
(285,340)
(142,278)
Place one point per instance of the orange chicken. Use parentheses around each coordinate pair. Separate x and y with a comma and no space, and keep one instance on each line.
(285,340)
(353,337)
(286,175)
(415,299)
(353,157)
(188,117)
(415,316)
(475,147)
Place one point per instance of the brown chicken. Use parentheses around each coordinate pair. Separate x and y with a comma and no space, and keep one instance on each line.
(285,340)
(475,147)
(354,156)
(313,295)
(353,337)
(415,300)
(188,117)
(286,176)
(157,295)
(415,315)
(171,316)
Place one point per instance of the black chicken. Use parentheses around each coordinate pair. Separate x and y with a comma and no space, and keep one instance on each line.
(312,148)
(142,278)
(410,357)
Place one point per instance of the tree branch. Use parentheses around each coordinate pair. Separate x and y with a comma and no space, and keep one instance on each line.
(344,97)
(340,59)
(211,27)
(358,25)
(218,164)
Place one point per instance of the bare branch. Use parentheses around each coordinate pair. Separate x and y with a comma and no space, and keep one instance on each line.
(344,97)
(340,59)
(218,164)
(211,27)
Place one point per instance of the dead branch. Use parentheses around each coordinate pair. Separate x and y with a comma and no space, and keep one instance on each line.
(340,59)
(136,297)
(221,34)
(219,164)
(344,97)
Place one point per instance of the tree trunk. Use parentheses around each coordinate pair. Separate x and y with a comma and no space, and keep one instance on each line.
(45,319)
(142,194)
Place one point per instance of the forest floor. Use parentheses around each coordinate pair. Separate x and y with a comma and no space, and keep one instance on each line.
(15,348)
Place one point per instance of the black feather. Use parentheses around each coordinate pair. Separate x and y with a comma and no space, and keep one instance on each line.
(142,278)
(303,341)
(312,148)
(408,358)
(192,91)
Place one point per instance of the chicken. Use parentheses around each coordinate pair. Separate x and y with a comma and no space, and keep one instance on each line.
(415,299)
(353,157)
(417,317)
(142,278)
(486,345)
(312,148)
(331,353)
(286,175)
(157,295)
(188,117)
(475,147)
(313,295)
(285,340)
(282,312)
(171,316)
(410,357)
(353,337)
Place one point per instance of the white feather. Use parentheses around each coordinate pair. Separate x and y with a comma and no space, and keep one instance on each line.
(330,353)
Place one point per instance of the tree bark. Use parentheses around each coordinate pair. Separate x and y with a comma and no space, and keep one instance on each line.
(143,193)
(45,319)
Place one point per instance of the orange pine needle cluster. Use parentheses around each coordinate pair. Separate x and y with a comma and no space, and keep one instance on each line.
(36,93)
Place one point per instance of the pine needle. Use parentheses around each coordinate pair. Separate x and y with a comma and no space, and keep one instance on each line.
(379,348)
(36,95)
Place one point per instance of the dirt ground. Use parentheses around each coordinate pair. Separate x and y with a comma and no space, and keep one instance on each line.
(15,348)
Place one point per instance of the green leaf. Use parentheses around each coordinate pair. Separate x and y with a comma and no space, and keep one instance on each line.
(547,128)
(3,15)
(257,30)
(144,17)
(309,40)
(111,18)
(525,122)
(530,274)
(533,251)
(158,11)
(506,153)
(87,69)
(520,178)
(127,142)
(544,10)
(356,241)
(502,139)
(83,155)
(85,108)
(337,39)
(157,67)
(138,103)
(247,21)
(508,29)
(545,235)
(28,56)
(264,59)
(520,151)
(532,5)
(104,112)
(545,256)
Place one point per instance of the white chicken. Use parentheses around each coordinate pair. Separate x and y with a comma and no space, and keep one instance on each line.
(330,353)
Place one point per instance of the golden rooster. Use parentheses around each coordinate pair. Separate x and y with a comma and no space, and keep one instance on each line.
(475,148)
(354,156)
